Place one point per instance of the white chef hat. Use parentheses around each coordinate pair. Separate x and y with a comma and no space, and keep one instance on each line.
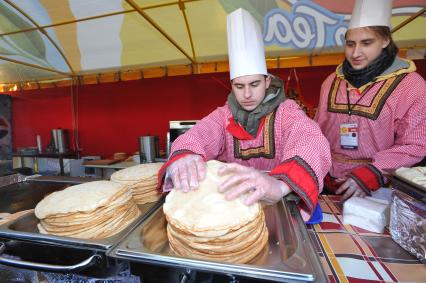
(245,45)
(367,13)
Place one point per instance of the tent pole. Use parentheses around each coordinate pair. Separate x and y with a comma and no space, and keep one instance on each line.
(159,29)
(410,19)
(182,8)
(35,66)
(43,32)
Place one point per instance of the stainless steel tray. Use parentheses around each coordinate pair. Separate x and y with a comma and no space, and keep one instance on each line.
(408,181)
(288,256)
(25,195)
(416,191)
(25,228)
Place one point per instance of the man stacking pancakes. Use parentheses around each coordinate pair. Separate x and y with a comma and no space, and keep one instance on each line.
(257,130)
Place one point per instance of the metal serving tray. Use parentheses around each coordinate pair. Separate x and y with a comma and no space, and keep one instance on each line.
(18,192)
(416,191)
(25,195)
(25,228)
(288,256)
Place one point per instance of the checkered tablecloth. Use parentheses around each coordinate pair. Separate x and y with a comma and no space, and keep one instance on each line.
(351,254)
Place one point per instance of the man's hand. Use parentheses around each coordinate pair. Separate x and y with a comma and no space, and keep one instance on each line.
(350,188)
(187,172)
(258,185)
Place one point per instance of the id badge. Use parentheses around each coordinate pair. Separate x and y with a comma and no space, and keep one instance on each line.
(349,136)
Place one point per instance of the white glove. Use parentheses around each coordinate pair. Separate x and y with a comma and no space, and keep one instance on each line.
(187,172)
(258,185)
(350,188)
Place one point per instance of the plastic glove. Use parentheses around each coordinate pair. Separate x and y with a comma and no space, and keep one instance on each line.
(350,188)
(187,172)
(258,185)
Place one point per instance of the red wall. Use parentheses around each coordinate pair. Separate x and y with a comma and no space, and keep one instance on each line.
(111,116)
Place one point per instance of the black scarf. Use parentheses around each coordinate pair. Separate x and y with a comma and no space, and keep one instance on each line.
(250,120)
(358,78)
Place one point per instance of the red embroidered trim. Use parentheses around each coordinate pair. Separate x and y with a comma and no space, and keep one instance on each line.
(300,179)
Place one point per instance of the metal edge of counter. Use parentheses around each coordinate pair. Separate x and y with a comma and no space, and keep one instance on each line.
(312,257)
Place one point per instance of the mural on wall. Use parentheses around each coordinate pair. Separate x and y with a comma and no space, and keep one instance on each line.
(305,24)
(5,134)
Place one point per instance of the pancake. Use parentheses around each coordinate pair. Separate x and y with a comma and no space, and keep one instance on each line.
(141,180)
(69,200)
(137,173)
(92,210)
(203,224)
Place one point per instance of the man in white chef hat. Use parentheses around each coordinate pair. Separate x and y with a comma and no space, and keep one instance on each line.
(256,131)
(372,109)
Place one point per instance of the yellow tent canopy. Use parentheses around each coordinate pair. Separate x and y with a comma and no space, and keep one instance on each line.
(61,42)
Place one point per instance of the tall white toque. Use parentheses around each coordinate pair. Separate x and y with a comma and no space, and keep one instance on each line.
(245,45)
(367,13)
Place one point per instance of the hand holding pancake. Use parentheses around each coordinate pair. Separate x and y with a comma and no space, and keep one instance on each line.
(258,185)
(187,172)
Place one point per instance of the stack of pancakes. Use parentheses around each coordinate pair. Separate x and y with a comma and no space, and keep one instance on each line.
(202,224)
(90,210)
(141,180)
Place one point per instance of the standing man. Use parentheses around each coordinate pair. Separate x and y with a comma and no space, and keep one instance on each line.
(257,130)
(373,108)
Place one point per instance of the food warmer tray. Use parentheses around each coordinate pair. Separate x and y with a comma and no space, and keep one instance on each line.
(289,255)
(25,228)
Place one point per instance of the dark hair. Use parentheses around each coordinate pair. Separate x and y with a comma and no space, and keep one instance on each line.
(385,33)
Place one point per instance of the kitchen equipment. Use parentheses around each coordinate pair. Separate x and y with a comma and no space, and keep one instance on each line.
(21,245)
(149,148)
(77,168)
(289,255)
(60,140)
(176,128)
(25,195)
(25,228)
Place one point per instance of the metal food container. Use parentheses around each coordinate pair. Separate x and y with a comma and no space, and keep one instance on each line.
(22,246)
(289,254)
(25,228)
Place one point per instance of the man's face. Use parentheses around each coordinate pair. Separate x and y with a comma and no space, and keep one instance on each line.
(250,90)
(362,46)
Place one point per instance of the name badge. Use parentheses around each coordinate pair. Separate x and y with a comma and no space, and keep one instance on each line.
(349,136)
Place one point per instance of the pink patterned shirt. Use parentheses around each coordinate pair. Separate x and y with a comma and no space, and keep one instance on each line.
(392,129)
(291,145)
